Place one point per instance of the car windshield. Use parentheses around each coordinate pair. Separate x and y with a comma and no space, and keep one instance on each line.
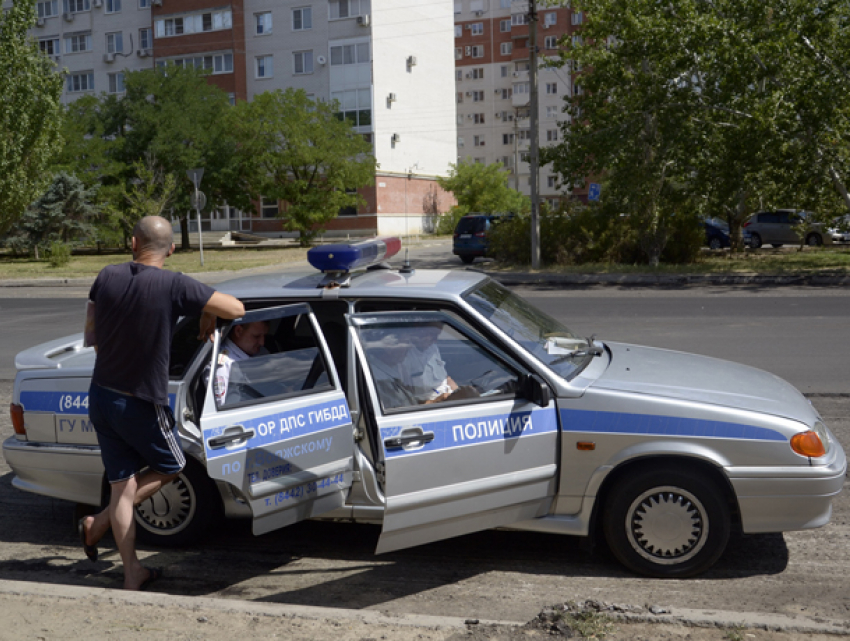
(542,336)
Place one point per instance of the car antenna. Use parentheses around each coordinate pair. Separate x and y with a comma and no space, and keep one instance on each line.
(406,268)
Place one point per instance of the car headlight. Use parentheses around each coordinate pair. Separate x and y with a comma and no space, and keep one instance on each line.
(812,443)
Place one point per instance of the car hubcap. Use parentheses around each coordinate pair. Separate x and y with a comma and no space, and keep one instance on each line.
(169,510)
(667,525)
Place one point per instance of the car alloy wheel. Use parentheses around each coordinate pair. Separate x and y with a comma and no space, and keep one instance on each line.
(814,240)
(755,240)
(715,243)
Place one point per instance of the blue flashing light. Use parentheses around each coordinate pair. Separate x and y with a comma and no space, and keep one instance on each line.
(345,257)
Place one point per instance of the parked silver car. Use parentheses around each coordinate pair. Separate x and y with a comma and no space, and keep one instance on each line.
(501,417)
(783,227)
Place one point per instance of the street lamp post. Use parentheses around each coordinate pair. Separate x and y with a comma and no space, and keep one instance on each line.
(199,201)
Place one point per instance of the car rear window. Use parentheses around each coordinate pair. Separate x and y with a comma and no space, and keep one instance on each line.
(470,225)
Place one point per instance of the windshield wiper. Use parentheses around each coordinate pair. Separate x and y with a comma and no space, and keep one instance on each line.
(590,350)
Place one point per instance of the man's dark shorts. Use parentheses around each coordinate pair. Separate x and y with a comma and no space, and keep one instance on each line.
(134,434)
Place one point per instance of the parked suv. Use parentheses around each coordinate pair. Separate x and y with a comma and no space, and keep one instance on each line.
(471,237)
(783,227)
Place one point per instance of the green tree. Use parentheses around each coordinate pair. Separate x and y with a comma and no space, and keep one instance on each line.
(29,113)
(709,106)
(63,214)
(479,188)
(304,154)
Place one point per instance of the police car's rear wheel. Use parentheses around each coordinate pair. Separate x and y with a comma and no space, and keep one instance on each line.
(181,512)
(671,523)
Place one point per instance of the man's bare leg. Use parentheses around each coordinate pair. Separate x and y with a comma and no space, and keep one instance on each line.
(146,484)
(121,515)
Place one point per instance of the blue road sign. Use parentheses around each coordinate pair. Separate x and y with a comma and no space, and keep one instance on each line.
(593,192)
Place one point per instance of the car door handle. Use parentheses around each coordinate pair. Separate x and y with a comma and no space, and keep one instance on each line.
(408,438)
(230,436)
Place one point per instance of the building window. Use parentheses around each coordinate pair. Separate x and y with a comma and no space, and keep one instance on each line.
(460,119)
(477,28)
(76,6)
(478,141)
(458,6)
(303,62)
(577,17)
(348,8)
(552,182)
(458,53)
(47,8)
(459,97)
(477,96)
(476,5)
(214,63)
(459,141)
(355,106)
(551,135)
(478,119)
(302,19)
(503,71)
(264,66)
(521,88)
(476,74)
(506,48)
(518,19)
(458,75)
(169,27)
(477,51)
(116,82)
(551,112)
(550,19)
(81,82)
(550,42)
(113,6)
(269,207)
(507,139)
(144,4)
(577,40)
(263,23)
(49,46)
(551,88)
(115,42)
(504,4)
(77,43)
(145,39)
(577,90)
(506,94)
(350,54)
(458,31)
(505,25)
(197,23)
(524,134)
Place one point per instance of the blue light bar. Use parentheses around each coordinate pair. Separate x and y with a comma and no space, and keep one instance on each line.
(344,258)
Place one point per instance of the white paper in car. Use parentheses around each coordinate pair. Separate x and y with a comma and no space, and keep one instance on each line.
(559,345)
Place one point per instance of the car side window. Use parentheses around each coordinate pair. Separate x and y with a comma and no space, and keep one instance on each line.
(269,360)
(769,217)
(419,365)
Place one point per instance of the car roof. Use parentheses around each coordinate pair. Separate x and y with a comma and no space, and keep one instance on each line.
(426,284)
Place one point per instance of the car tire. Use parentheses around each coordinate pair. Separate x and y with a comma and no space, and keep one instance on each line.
(755,240)
(814,240)
(715,243)
(666,523)
(467,260)
(182,512)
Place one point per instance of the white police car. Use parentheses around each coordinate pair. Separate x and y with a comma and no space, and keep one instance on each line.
(439,403)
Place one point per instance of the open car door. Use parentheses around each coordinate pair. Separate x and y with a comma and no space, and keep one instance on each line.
(469,440)
(276,424)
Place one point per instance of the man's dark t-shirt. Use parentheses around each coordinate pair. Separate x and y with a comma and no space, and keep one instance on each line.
(136,309)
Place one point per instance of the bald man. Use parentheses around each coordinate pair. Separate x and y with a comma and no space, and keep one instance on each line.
(135,308)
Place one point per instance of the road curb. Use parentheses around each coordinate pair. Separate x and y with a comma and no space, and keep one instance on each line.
(672,616)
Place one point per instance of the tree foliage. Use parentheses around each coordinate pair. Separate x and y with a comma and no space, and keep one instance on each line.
(715,107)
(479,188)
(29,113)
(300,152)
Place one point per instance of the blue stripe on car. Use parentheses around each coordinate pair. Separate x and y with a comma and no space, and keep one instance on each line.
(651,424)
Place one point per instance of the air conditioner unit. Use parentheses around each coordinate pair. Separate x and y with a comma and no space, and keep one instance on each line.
(498,91)
(468,94)
(363,20)
(56,59)
(411,61)
(391,97)
(156,3)
(469,75)
(321,60)
(142,53)
(546,26)
(516,74)
(97,3)
(510,116)
(479,13)
(39,22)
(396,138)
(498,116)
(109,57)
(69,17)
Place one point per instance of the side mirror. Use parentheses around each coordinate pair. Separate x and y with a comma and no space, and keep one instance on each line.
(534,389)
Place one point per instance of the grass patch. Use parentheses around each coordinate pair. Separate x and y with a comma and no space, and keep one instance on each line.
(82,266)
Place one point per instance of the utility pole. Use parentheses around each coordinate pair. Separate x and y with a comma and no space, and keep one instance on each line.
(534,156)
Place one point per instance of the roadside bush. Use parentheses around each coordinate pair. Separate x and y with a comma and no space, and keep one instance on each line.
(578,234)
(59,254)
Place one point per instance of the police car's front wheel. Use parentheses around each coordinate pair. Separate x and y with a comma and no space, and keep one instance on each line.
(667,523)
(181,512)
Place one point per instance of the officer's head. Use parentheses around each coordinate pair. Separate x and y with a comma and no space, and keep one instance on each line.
(390,346)
(250,337)
(153,236)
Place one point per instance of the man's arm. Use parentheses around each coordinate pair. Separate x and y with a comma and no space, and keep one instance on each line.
(219,306)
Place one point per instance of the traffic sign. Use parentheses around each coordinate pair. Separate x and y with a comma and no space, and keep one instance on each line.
(199,200)
(195,175)
(594,192)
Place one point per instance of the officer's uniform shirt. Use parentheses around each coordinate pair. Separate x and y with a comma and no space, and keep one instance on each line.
(230,353)
(427,371)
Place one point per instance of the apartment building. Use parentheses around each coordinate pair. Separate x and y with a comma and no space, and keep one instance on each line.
(388,64)
(492,63)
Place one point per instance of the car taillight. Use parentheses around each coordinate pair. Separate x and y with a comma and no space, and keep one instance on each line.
(746,224)
(481,234)
(17,413)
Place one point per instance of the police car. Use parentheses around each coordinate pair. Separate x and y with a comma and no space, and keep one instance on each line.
(529,426)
